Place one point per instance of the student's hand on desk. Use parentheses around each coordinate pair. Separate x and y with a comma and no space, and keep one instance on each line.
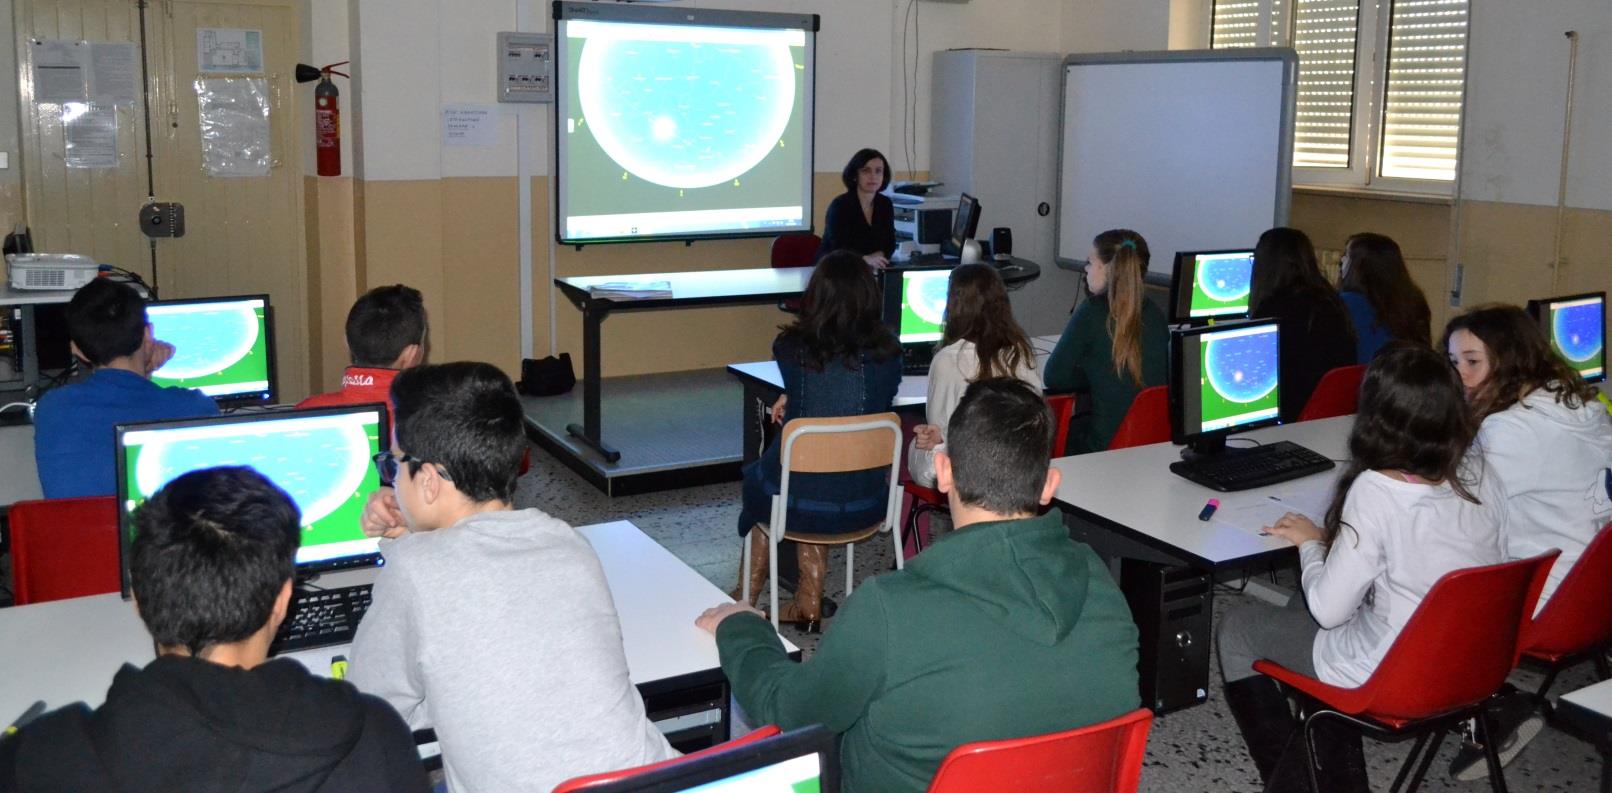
(876,261)
(777,411)
(716,614)
(926,436)
(1295,528)
(382,517)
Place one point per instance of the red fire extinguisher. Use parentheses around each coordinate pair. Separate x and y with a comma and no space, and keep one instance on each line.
(327,121)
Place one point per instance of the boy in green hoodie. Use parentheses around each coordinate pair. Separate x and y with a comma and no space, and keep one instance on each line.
(1007,628)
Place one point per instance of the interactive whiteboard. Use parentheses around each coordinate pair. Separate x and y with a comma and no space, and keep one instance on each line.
(1191,149)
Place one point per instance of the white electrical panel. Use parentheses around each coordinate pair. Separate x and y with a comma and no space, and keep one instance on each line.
(525,67)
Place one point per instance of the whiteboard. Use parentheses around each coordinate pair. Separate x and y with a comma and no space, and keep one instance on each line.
(1191,149)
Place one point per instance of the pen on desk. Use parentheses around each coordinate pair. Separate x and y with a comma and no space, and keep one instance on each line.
(1209,509)
(34,711)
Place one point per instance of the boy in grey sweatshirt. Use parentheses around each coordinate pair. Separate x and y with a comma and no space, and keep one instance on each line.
(490,624)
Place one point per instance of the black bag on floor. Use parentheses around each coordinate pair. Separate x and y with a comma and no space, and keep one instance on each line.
(547,376)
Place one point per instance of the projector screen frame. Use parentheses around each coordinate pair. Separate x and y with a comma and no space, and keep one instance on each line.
(573,10)
(1283,185)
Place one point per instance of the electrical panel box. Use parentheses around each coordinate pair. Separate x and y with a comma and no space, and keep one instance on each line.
(525,67)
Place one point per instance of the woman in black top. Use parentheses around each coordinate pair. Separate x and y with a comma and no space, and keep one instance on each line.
(862,219)
(1317,335)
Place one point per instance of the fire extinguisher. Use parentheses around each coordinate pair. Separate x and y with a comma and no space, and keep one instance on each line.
(326,116)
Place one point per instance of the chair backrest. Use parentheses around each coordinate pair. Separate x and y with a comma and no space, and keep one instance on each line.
(795,250)
(844,443)
(1101,758)
(1147,421)
(1062,407)
(64,548)
(1336,395)
(595,780)
(1459,645)
(1578,616)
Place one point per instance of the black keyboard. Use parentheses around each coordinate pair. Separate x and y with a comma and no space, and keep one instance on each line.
(322,617)
(1258,466)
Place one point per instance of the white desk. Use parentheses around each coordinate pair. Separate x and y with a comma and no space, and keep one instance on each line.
(19,476)
(67,651)
(1589,710)
(1131,492)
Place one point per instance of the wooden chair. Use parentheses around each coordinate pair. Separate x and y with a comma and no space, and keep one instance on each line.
(825,446)
(1336,395)
(1101,758)
(64,548)
(596,780)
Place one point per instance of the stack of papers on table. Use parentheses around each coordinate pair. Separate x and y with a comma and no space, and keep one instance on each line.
(632,290)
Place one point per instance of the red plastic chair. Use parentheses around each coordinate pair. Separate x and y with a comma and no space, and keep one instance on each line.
(64,548)
(1146,422)
(1448,662)
(1101,758)
(1336,395)
(1576,623)
(1062,407)
(794,250)
(595,780)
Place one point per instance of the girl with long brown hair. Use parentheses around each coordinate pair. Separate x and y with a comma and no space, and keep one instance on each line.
(1384,303)
(1115,343)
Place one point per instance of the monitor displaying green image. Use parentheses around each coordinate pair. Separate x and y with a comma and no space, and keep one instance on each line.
(923,305)
(1238,377)
(1576,327)
(223,346)
(1209,285)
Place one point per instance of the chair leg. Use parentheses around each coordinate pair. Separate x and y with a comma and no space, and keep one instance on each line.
(1427,761)
(1602,668)
(1550,678)
(744,563)
(1411,760)
(850,568)
(1491,752)
(895,542)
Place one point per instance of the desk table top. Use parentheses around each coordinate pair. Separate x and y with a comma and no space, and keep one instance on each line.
(20,297)
(706,286)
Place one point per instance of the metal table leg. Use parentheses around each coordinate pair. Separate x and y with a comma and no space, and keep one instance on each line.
(589,433)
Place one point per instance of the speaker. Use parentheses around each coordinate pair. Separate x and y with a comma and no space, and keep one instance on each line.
(1002,242)
(1172,607)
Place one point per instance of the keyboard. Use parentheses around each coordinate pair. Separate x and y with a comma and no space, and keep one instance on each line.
(321,618)
(1244,468)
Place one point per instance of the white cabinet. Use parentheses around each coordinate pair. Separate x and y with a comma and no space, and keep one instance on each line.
(994,135)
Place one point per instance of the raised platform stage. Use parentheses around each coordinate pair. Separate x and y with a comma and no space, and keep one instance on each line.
(673,430)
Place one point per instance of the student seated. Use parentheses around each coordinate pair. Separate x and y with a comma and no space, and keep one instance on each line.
(1405,512)
(386,330)
(1317,336)
(1005,628)
(211,568)
(1116,343)
(491,624)
(106,321)
(1548,443)
(1384,303)
(981,341)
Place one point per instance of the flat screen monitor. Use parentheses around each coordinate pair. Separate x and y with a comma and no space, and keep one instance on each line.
(321,457)
(919,311)
(965,224)
(1576,328)
(223,346)
(682,123)
(796,762)
(1210,285)
(1223,379)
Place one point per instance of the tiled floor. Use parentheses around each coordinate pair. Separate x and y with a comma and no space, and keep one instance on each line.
(1197,749)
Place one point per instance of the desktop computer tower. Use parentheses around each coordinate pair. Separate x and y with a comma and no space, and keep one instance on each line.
(1173,610)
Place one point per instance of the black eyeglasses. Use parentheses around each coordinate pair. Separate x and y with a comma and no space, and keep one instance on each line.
(387,463)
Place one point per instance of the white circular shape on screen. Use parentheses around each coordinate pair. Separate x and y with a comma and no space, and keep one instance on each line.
(205,342)
(685,114)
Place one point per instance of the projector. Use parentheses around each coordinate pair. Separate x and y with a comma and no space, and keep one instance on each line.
(58,271)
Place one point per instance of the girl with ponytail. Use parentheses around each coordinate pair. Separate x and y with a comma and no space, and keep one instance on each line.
(1116,341)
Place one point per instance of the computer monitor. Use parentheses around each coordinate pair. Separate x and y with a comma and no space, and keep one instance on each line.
(223,347)
(1211,285)
(1223,379)
(965,223)
(322,457)
(802,760)
(1576,328)
(915,310)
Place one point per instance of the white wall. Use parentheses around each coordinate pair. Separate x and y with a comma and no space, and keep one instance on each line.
(1517,87)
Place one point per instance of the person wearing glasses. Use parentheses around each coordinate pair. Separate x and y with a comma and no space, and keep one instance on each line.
(494,625)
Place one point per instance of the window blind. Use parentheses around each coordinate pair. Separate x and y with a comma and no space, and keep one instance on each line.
(1325,33)
(1235,24)
(1426,73)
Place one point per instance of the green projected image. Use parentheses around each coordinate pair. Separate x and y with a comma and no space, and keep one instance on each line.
(923,305)
(219,349)
(1238,372)
(322,462)
(796,775)
(1220,284)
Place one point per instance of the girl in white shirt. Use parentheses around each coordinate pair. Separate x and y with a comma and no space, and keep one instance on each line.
(981,341)
(1406,511)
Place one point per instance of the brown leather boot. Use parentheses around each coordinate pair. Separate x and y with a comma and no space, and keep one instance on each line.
(758,568)
(805,611)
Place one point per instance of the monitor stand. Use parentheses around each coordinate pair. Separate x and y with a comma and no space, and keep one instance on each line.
(1207,446)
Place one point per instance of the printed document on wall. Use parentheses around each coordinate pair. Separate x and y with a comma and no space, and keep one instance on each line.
(229,50)
(234,126)
(91,132)
(114,72)
(58,71)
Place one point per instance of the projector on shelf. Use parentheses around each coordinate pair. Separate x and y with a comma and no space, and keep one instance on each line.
(58,271)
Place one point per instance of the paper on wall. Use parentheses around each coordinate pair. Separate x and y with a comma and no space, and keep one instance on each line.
(470,125)
(114,72)
(229,50)
(58,71)
(91,132)
(234,126)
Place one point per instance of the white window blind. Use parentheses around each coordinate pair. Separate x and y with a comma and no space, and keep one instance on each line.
(1426,72)
(1235,24)
(1324,35)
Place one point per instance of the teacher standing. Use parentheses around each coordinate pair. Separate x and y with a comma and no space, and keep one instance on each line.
(862,219)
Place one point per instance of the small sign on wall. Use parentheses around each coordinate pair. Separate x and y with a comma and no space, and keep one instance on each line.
(229,50)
